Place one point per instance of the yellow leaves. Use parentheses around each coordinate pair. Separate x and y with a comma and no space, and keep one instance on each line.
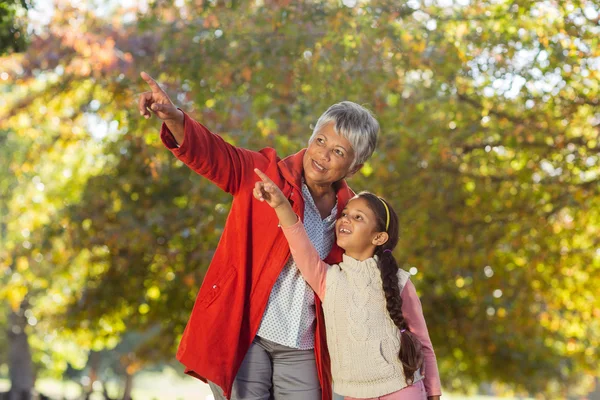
(181,201)
(462,56)
(350,41)
(15,294)
(520,261)
(458,353)
(392,99)
(407,37)
(143,308)
(97,344)
(86,224)
(501,313)
(267,126)
(470,186)
(22,264)
(23,120)
(419,46)
(367,169)
(572,346)
(517,164)
(575,329)
(461,30)
(153,293)
(544,318)
(98,268)
(229,139)
(25,168)
(543,37)
(117,204)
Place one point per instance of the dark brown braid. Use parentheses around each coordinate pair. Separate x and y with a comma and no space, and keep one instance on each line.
(410,353)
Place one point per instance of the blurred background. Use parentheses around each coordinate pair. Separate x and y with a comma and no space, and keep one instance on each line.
(489,153)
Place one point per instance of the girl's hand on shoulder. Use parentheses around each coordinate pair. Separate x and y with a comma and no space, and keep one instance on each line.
(266,190)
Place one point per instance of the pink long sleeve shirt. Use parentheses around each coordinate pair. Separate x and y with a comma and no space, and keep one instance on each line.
(315,272)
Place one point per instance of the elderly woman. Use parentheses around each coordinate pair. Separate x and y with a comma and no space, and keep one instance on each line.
(256,330)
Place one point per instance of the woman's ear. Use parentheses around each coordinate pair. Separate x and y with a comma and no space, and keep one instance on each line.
(380,238)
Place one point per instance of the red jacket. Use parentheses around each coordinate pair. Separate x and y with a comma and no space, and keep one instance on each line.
(248,259)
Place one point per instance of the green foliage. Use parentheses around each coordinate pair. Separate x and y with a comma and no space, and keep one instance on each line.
(12,26)
(489,153)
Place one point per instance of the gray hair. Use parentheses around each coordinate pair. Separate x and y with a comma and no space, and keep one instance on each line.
(355,123)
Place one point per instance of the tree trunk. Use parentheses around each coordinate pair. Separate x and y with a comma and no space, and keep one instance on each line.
(595,394)
(128,386)
(19,356)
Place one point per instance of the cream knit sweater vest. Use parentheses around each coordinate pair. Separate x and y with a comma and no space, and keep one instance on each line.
(362,339)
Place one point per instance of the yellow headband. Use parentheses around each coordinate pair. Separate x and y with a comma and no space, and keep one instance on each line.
(387,214)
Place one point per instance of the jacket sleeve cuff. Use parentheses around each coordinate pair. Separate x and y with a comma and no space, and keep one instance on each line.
(167,137)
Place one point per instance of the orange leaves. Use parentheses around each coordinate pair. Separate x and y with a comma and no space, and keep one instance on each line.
(211,21)
(152,165)
(446,154)
(189,280)
(94,55)
(246,73)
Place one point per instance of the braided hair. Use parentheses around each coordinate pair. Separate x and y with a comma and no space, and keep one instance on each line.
(410,353)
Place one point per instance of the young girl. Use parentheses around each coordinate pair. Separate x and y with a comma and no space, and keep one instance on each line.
(375,354)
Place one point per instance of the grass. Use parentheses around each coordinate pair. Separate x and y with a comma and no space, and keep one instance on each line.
(147,386)
(166,385)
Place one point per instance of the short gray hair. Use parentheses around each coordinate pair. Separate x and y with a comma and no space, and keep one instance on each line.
(355,123)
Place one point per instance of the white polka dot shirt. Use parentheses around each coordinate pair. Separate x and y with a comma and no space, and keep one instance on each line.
(289,318)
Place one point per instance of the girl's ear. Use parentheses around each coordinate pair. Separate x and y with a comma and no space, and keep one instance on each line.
(380,238)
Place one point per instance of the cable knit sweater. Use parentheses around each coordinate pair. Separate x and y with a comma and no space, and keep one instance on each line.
(363,340)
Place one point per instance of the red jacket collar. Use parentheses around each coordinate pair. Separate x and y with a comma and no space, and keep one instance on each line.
(292,169)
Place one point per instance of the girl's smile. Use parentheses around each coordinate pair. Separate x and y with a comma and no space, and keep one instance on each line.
(356,229)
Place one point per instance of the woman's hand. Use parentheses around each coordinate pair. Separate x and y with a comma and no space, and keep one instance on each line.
(161,105)
(266,190)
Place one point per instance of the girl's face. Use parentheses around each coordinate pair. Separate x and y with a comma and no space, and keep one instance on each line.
(357,231)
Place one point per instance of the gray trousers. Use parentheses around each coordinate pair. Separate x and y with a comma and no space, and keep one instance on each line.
(273,371)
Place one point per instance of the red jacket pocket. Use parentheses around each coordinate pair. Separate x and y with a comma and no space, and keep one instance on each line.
(217,287)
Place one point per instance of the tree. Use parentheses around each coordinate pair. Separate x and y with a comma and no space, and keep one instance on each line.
(12,25)
(489,154)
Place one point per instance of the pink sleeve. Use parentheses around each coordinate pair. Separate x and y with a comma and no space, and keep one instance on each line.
(413,314)
(307,258)
(211,156)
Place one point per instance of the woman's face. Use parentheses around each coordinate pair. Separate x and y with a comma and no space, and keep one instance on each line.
(328,158)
